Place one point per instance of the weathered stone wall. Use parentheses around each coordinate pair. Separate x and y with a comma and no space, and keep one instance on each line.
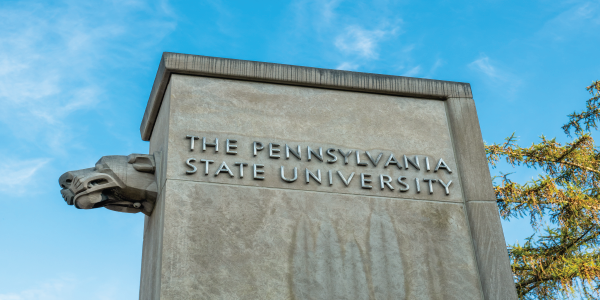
(219,235)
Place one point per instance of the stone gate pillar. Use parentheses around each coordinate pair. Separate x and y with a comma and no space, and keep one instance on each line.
(286,182)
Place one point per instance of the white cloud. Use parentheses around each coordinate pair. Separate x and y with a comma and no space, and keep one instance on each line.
(496,75)
(353,40)
(577,20)
(328,9)
(16,175)
(438,63)
(51,290)
(361,42)
(348,66)
(412,72)
(484,66)
(53,59)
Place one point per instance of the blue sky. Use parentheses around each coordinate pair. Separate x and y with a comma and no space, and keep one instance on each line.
(75,78)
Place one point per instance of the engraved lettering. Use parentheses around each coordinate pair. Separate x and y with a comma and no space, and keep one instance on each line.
(364,179)
(392,161)
(257,146)
(256,171)
(189,163)
(404,184)
(296,153)
(206,162)
(346,182)
(331,152)
(229,145)
(311,174)
(417,185)
(273,150)
(375,162)
(345,155)
(192,139)
(446,186)
(241,165)
(414,163)
(205,144)
(430,181)
(289,180)
(384,181)
(317,155)
(223,168)
(442,164)
(358,163)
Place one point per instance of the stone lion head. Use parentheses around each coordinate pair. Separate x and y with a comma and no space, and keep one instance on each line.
(117,182)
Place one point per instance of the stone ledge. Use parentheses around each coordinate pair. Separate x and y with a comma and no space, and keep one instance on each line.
(175,63)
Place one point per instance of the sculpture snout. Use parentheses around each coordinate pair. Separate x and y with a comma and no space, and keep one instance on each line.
(66,180)
(90,183)
(117,182)
(68,196)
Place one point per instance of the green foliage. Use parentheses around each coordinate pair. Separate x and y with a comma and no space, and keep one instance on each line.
(562,258)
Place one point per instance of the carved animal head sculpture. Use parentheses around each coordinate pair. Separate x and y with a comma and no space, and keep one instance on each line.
(117,182)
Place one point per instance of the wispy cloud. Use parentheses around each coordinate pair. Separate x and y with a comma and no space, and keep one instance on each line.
(412,72)
(484,66)
(496,75)
(358,39)
(16,176)
(438,63)
(348,66)
(328,9)
(55,72)
(55,60)
(361,42)
(577,20)
(51,290)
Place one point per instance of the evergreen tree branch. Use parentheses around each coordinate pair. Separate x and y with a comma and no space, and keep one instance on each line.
(565,260)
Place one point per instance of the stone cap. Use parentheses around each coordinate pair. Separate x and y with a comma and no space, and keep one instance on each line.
(175,63)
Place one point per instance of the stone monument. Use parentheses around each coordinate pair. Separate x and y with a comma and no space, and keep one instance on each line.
(269,181)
